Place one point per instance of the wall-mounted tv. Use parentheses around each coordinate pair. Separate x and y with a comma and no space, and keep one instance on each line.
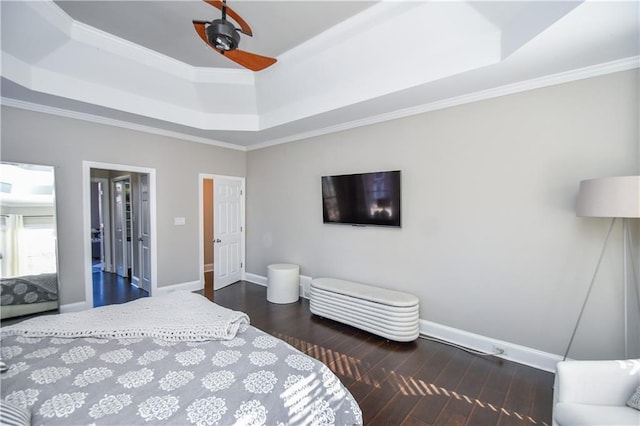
(362,199)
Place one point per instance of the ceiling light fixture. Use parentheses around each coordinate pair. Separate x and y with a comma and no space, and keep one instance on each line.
(223,35)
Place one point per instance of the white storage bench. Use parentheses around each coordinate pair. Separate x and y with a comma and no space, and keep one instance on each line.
(387,313)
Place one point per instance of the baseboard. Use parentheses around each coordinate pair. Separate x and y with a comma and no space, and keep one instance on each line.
(305,281)
(74,307)
(512,352)
(256,279)
(190,286)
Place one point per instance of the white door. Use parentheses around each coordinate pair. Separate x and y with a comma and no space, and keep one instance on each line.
(101,197)
(227,231)
(104,202)
(145,234)
(120,230)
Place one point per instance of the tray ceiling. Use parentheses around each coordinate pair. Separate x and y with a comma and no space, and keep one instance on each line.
(139,64)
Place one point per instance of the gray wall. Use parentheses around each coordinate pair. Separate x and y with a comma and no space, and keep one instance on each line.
(490,242)
(64,143)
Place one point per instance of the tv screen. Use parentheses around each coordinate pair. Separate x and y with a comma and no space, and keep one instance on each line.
(362,199)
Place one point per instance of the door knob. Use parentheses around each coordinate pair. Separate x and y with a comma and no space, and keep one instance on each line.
(217,240)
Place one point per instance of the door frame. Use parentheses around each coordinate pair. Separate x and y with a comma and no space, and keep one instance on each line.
(201,178)
(86,218)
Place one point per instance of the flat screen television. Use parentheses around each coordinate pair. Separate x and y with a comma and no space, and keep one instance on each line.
(362,199)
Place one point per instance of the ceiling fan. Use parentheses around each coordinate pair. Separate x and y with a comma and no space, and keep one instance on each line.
(222,36)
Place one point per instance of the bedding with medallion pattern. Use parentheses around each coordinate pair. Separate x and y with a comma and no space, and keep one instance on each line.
(151,377)
(28,289)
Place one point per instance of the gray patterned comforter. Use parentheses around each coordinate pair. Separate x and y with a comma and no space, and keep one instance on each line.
(29,289)
(253,379)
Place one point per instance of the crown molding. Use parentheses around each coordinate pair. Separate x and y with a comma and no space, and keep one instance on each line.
(509,89)
(91,36)
(551,80)
(29,106)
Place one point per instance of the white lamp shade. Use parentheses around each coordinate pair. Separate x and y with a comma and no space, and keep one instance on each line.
(609,197)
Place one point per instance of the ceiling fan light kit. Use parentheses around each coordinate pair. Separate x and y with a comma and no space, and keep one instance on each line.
(223,37)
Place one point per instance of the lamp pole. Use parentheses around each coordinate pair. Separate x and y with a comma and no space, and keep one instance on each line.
(625,288)
(593,280)
(611,197)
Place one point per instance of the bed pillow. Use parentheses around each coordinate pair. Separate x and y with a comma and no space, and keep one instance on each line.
(12,415)
(634,401)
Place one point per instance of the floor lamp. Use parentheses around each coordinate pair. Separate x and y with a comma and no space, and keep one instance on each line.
(612,197)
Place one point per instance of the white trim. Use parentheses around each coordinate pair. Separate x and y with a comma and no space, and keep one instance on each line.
(513,352)
(305,282)
(188,286)
(256,279)
(243,242)
(537,83)
(86,222)
(94,37)
(45,109)
(508,89)
(74,307)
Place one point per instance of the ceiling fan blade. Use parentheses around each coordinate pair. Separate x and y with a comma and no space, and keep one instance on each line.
(244,27)
(250,60)
(246,59)
(200,29)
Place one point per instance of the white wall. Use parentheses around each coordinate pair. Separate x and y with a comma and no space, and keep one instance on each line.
(38,138)
(490,243)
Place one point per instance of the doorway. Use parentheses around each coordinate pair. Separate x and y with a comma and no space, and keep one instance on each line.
(126,228)
(222,242)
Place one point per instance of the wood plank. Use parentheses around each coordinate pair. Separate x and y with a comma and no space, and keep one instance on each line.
(420,383)
(493,394)
(543,398)
(402,391)
(466,392)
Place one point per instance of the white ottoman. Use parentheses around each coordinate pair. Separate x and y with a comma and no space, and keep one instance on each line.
(283,283)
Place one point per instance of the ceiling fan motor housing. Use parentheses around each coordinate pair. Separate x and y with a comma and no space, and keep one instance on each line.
(223,35)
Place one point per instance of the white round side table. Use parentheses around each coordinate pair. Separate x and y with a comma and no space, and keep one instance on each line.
(283,283)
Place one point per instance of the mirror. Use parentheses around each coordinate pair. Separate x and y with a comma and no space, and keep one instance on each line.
(28,260)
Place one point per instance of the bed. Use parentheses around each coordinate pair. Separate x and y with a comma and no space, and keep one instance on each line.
(29,294)
(174,359)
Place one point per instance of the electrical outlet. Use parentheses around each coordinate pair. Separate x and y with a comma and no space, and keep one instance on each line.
(498,350)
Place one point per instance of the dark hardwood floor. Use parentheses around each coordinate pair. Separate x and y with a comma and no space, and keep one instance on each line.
(109,289)
(417,383)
